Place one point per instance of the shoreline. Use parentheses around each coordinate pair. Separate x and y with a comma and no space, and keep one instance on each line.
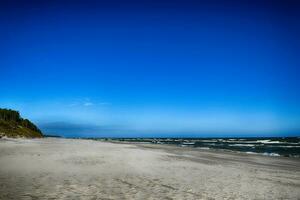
(87,169)
(272,154)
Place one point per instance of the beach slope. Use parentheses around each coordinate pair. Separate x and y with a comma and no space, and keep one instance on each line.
(51,168)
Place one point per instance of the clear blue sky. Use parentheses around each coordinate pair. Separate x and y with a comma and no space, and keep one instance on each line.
(153,68)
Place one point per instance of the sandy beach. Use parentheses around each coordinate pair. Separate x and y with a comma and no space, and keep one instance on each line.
(53,168)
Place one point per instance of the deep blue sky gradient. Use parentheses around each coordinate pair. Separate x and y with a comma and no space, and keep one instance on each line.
(139,68)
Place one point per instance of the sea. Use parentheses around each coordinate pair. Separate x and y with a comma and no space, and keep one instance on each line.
(279,146)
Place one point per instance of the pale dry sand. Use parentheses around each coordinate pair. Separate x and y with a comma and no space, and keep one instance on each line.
(85,169)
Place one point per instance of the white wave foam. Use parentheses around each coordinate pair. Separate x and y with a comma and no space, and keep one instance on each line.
(242,145)
(270,154)
(250,152)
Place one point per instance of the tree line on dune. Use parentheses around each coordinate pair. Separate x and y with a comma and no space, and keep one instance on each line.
(14,117)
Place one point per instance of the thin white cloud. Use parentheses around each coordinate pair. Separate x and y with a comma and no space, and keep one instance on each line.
(88,104)
(104,103)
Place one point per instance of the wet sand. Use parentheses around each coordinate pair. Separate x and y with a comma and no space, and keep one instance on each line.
(53,168)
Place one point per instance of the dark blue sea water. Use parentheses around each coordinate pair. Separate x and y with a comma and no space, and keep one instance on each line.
(283,146)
